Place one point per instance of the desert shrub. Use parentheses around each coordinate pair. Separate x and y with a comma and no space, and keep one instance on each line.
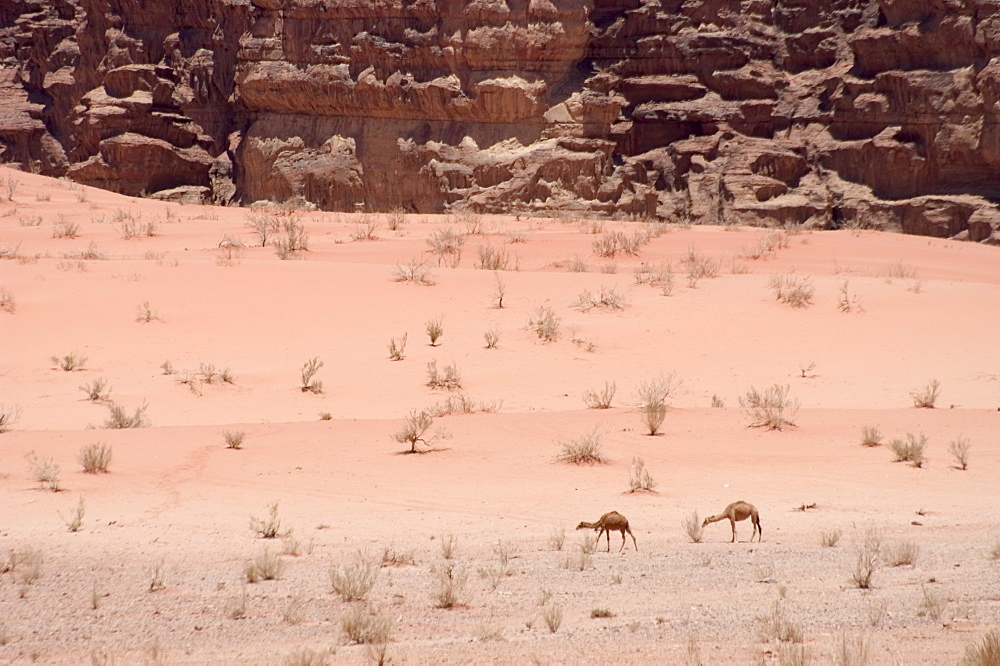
(264,226)
(353,582)
(265,566)
(120,419)
(911,450)
(65,229)
(267,528)
(932,604)
(462,404)
(776,626)
(75,521)
(577,265)
(446,244)
(600,399)
(450,590)
(9,415)
(552,614)
(693,528)
(45,471)
(653,414)
(492,259)
(772,409)
(870,436)
(133,227)
(366,229)
(307,656)
(601,612)
(829,538)
(435,329)
(499,290)
(866,559)
(846,301)
(655,275)
(717,402)
(309,370)
(699,266)
(10,186)
(657,390)
(25,564)
(145,314)
(294,242)
(639,476)
(613,242)
(584,449)
(69,362)
(492,337)
(7,301)
(415,428)
(984,653)
(395,219)
(901,553)
(95,457)
(97,390)
(791,290)
(544,323)
(557,538)
(607,298)
(234,438)
(415,271)
(363,626)
(959,449)
(927,396)
(449,545)
(447,378)
(397,347)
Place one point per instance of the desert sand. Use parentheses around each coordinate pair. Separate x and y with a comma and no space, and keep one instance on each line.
(156,571)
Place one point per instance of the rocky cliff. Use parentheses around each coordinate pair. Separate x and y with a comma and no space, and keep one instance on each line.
(880,113)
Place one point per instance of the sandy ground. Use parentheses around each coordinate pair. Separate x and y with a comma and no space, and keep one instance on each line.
(157,571)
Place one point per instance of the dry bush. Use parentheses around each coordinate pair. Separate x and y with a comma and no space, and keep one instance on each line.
(69,362)
(435,329)
(462,404)
(771,409)
(899,270)
(655,275)
(577,265)
(353,582)
(492,259)
(95,457)
(584,449)
(366,229)
(265,566)
(866,559)
(25,565)
(9,415)
(145,314)
(448,378)
(45,471)
(492,337)
(446,244)
(397,347)
(449,546)
(395,219)
(415,271)
(600,399)
(499,289)
(265,226)
(959,449)
(776,626)
(75,521)
(97,390)
(544,323)
(984,653)
(653,415)
(911,450)
(657,390)
(639,477)
(309,370)
(699,266)
(120,419)
(607,298)
(156,577)
(557,538)
(552,614)
(717,402)
(791,290)
(450,590)
(7,301)
(363,625)
(234,438)
(846,301)
(901,553)
(852,651)
(269,528)
(65,229)
(829,538)
(693,528)
(294,242)
(932,604)
(927,396)
(870,436)
(307,656)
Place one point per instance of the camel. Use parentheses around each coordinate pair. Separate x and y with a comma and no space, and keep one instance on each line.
(739,511)
(608,523)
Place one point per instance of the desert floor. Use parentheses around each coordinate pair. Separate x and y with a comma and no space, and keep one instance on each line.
(157,571)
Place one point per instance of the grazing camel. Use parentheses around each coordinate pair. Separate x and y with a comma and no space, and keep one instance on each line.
(608,523)
(739,511)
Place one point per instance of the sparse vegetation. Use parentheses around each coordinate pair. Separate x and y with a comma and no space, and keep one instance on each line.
(901,553)
(776,626)
(651,400)
(309,370)
(270,527)
(449,544)
(693,528)
(366,229)
(266,565)
(294,242)
(552,614)
(7,301)
(435,329)
(97,390)
(847,301)
(791,290)
(499,290)
(544,323)
(450,590)
(119,418)
(932,604)
(447,378)
(557,538)
(870,436)
(867,554)
(772,409)
(234,438)
(265,226)
(145,313)
(984,653)
(699,266)
(446,244)
(44,470)
(397,348)
(584,449)
(75,521)
(416,271)
(600,399)
(70,362)
(65,229)
(95,458)
(492,258)
(829,538)
(911,450)
(927,396)
(9,415)
(607,298)
(353,582)
(492,337)
(959,449)
(363,626)
(639,477)
(415,428)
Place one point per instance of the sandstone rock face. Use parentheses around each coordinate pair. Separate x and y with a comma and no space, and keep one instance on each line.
(882,113)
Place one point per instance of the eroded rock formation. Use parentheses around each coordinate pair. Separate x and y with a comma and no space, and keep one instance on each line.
(882,113)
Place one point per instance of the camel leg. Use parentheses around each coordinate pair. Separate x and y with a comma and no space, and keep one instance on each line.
(633,540)
(607,535)
(732,524)
(623,542)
